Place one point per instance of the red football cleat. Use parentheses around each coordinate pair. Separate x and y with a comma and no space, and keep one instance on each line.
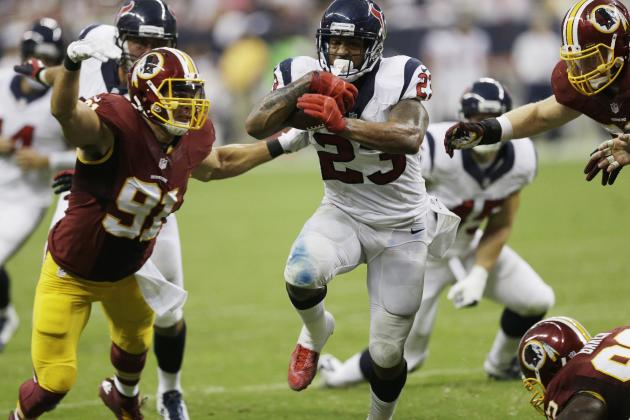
(302,368)
(125,408)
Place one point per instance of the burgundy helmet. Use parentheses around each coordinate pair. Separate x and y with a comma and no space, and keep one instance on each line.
(595,43)
(545,348)
(164,85)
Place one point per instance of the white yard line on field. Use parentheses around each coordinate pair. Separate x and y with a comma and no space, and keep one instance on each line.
(271,387)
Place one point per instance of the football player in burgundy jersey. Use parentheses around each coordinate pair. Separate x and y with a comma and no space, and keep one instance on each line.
(574,376)
(369,122)
(591,79)
(135,157)
(139,26)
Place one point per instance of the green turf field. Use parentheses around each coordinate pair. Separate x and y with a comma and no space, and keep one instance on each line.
(236,235)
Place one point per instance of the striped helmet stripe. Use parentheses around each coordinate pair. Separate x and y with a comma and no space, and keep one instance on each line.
(570,26)
(187,63)
(575,326)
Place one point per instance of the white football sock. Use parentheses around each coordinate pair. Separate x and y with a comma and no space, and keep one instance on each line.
(169,381)
(381,410)
(317,328)
(127,390)
(503,350)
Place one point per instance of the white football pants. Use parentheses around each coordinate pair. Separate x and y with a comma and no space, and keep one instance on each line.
(17,222)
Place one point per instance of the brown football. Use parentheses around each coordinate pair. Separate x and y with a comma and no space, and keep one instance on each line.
(298,119)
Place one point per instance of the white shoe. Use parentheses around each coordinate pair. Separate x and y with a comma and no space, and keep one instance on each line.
(510,372)
(328,365)
(9,323)
(171,406)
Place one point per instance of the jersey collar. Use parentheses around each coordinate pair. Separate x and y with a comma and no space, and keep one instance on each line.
(501,165)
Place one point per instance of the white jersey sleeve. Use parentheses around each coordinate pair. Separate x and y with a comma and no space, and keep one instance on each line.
(292,69)
(98,77)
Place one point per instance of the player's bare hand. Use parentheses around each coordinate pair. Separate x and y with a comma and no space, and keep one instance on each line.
(327,84)
(463,135)
(609,157)
(91,48)
(33,69)
(6,146)
(28,159)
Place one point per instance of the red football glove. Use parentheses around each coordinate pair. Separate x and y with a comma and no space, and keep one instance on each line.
(325,109)
(344,93)
(31,68)
(463,136)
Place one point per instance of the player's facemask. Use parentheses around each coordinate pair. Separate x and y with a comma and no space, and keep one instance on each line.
(592,69)
(535,386)
(182,105)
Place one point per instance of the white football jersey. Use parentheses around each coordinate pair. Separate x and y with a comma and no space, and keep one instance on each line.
(379,189)
(470,190)
(27,122)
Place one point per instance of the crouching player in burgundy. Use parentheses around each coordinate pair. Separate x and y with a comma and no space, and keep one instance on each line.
(134,161)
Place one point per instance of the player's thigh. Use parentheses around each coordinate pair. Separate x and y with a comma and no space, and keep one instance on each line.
(60,311)
(130,318)
(515,284)
(17,222)
(436,278)
(327,245)
(396,278)
(167,254)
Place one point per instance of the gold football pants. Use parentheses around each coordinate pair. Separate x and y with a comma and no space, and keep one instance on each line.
(61,310)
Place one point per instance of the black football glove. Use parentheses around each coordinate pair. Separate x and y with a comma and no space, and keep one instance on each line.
(62,181)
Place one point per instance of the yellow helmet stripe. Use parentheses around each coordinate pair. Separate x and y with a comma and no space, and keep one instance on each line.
(187,63)
(570,29)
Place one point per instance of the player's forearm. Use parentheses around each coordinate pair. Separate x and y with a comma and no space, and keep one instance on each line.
(65,95)
(491,245)
(236,159)
(388,137)
(538,117)
(270,114)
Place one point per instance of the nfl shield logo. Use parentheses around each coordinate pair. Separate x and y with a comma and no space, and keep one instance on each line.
(163,163)
(614,107)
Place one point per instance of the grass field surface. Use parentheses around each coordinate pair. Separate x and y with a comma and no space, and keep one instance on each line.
(236,235)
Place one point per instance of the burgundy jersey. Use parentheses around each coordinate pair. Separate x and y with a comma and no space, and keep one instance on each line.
(611,107)
(118,205)
(601,367)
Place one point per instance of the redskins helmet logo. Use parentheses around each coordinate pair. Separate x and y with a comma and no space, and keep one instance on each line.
(533,355)
(606,19)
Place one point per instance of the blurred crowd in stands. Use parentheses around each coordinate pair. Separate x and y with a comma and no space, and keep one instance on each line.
(236,43)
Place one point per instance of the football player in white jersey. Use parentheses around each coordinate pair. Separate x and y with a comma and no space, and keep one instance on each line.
(31,147)
(140,26)
(371,123)
(481,184)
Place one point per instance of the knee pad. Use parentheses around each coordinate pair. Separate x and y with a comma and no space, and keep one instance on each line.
(301,271)
(58,378)
(169,319)
(35,400)
(388,334)
(538,304)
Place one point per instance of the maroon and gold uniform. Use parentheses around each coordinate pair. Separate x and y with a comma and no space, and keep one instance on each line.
(602,369)
(611,107)
(119,203)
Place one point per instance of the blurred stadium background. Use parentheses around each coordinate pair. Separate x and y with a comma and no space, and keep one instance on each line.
(236,233)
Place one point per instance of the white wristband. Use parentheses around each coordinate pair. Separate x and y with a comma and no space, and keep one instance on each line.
(506,128)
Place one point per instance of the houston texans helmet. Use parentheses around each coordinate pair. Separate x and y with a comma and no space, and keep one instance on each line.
(43,41)
(352,18)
